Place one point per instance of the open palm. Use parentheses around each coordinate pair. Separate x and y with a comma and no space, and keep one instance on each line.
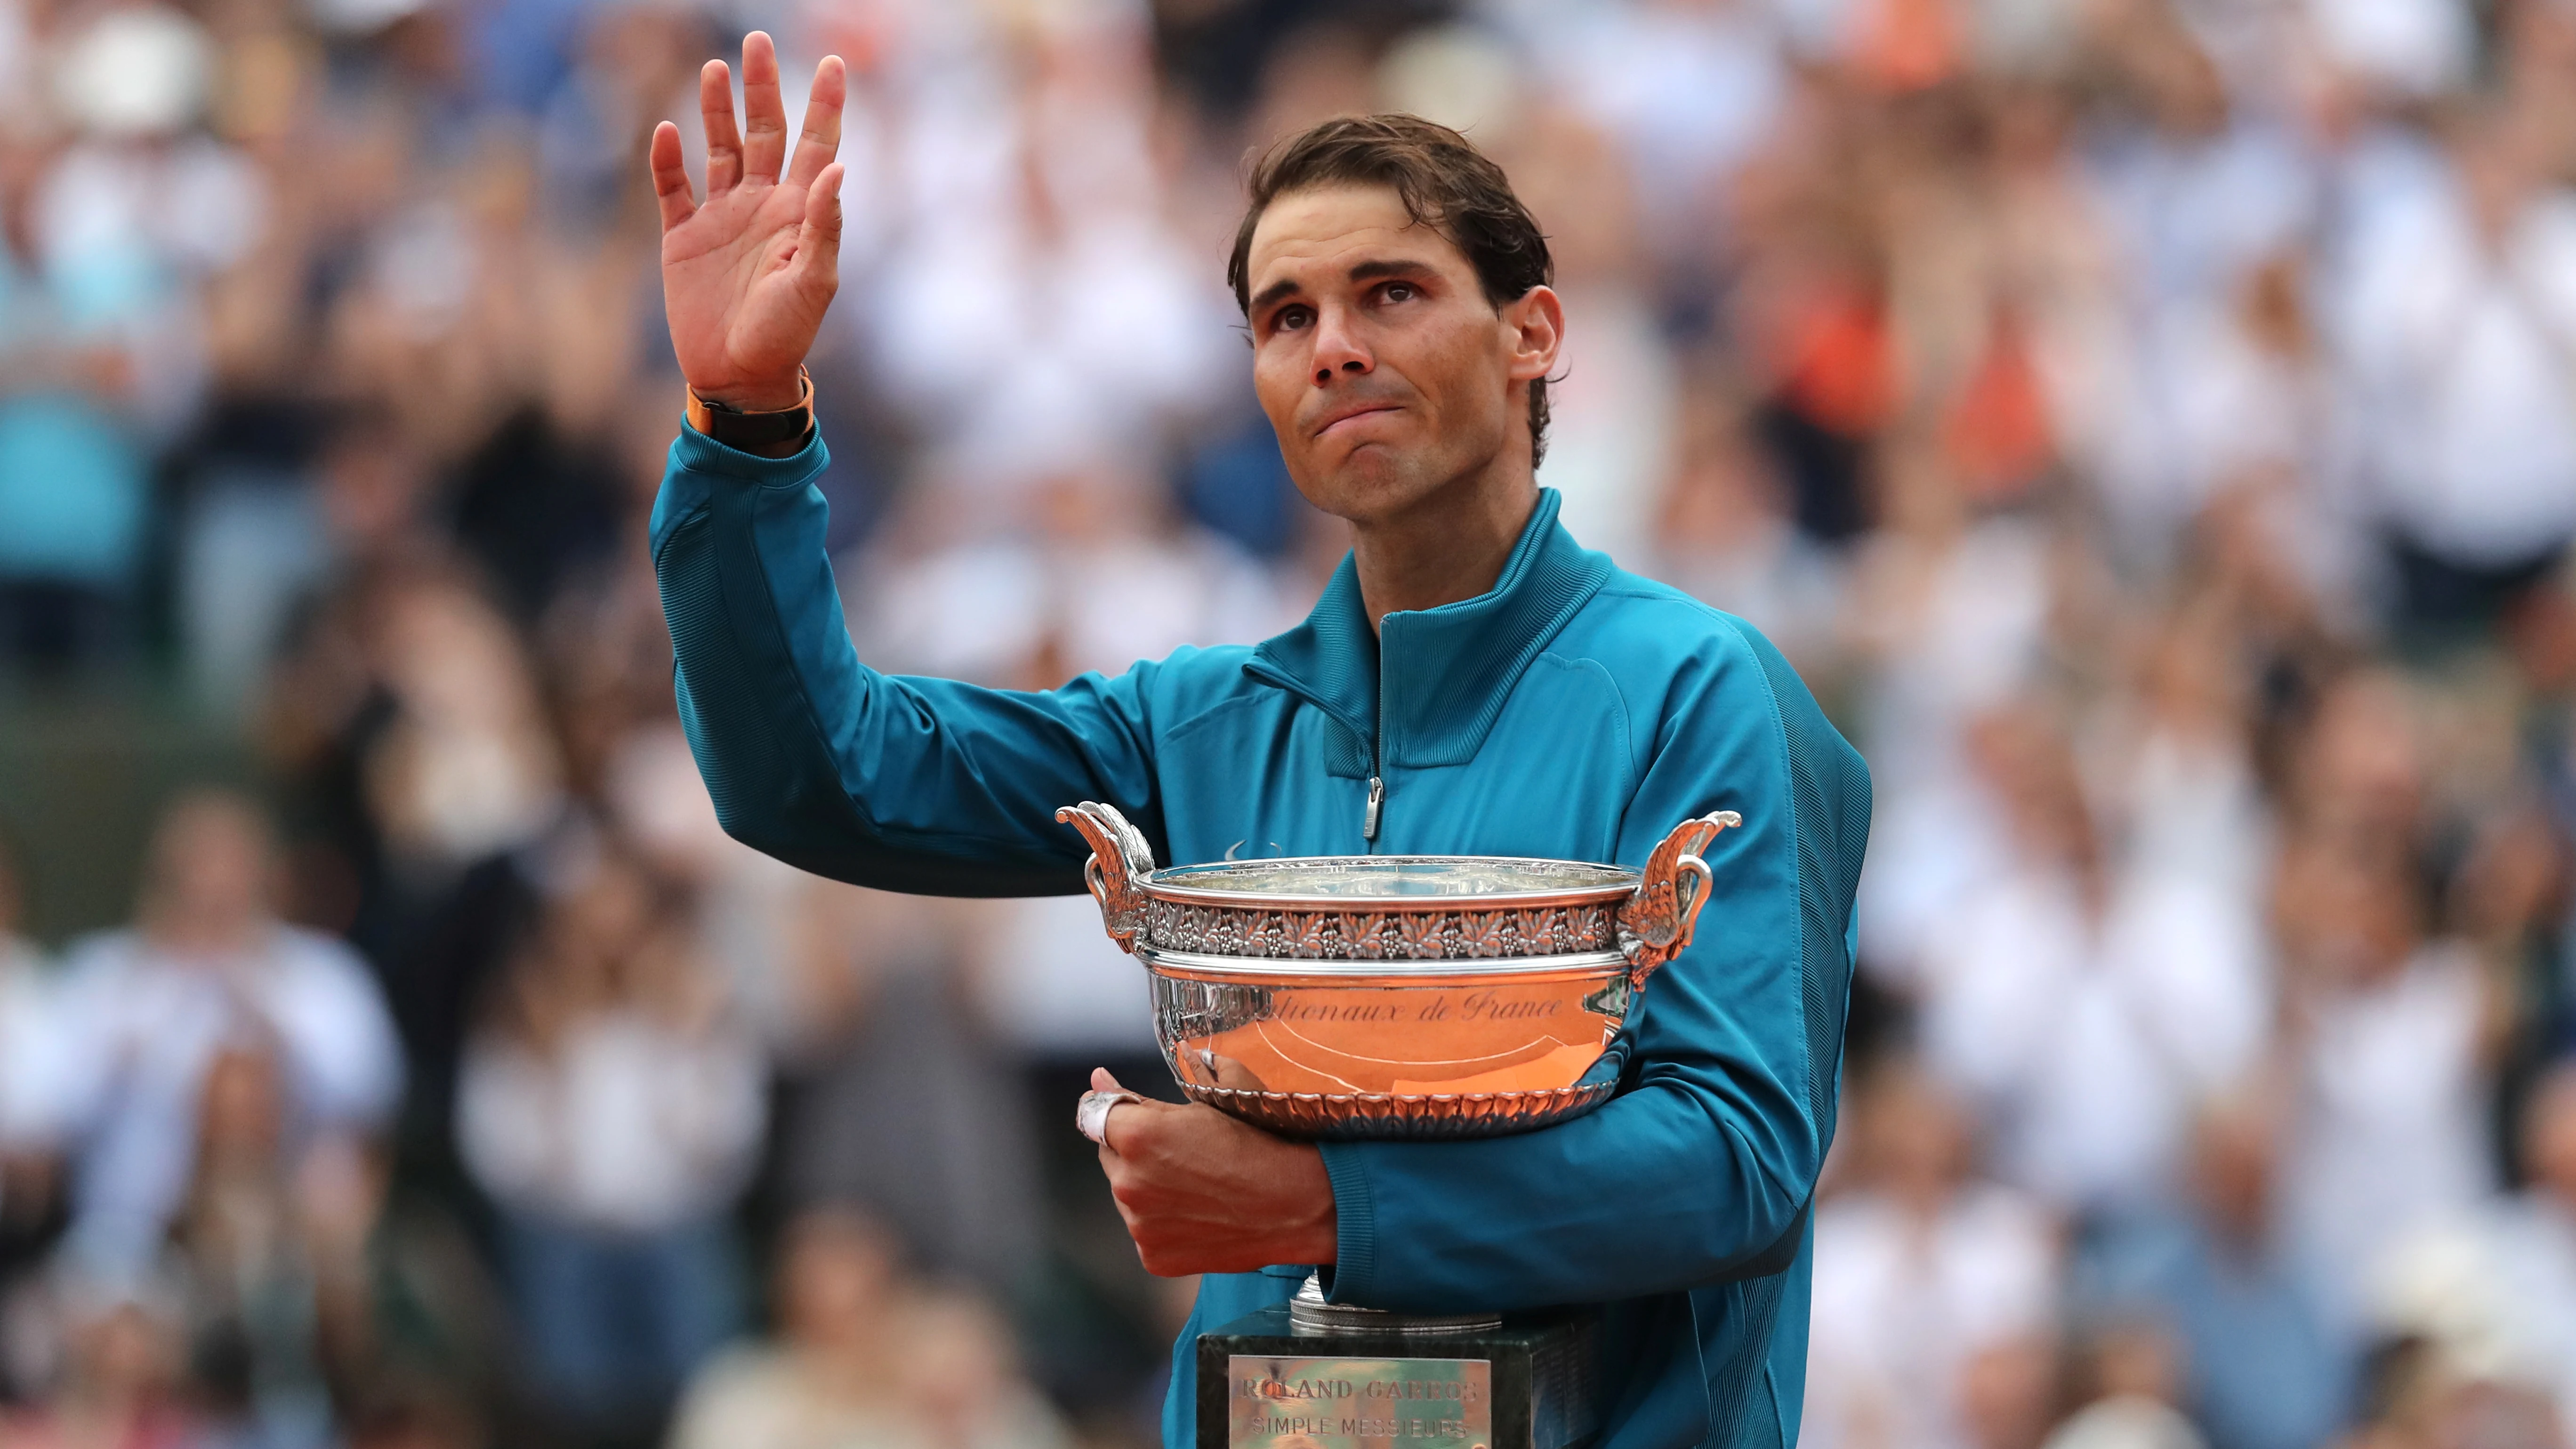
(747,276)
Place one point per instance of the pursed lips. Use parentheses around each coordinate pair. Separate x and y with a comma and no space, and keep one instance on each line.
(1370,410)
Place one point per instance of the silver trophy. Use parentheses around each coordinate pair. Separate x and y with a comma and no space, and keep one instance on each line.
(1393,996)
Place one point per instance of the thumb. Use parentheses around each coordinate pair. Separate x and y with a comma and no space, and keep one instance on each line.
(1099,1104)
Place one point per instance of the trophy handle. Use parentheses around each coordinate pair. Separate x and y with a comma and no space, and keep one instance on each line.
(1120,861)
(1656,922)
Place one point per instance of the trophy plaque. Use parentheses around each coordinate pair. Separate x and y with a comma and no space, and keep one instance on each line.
(1394,996)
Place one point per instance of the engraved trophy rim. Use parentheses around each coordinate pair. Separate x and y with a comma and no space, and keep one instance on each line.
(1182,884)
(1396,972)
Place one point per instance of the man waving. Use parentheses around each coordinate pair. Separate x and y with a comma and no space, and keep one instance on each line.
(1471,681)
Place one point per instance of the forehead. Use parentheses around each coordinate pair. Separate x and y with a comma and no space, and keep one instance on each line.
(1326,229)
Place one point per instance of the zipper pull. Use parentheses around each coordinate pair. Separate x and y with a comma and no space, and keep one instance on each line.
(1377,802)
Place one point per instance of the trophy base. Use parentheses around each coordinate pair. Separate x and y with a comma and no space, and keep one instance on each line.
(1313,1375)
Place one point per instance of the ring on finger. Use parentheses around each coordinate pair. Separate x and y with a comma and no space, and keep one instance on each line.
(1091,1115)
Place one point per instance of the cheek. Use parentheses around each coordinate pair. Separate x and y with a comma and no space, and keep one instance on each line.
(1279,382)
(1460,377)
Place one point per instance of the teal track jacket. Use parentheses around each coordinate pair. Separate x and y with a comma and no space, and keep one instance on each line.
(1575,712)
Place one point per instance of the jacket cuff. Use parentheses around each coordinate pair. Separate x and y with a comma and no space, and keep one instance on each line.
(700,468)
(699,453)
(1353,1271)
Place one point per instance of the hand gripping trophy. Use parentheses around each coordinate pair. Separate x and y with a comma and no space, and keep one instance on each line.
(1456,1173)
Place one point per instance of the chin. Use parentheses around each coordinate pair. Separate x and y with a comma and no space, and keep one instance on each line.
(1372,483)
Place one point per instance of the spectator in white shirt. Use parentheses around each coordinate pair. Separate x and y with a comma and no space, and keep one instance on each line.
(2086,1004)
(143,1012)
(2198,203)
(1935,1291)
(2456,316)
(2390,1037)
(2498,1285)
(613,1107)
(865,1359)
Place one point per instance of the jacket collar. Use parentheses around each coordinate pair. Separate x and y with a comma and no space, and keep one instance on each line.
(1441,675)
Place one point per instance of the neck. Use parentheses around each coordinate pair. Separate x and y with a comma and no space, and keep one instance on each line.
(1452,548)
(208,933)
(849,1361)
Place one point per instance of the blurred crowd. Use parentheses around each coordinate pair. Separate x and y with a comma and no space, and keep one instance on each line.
(2150,426)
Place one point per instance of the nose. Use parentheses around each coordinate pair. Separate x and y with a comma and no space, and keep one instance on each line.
(1338,349)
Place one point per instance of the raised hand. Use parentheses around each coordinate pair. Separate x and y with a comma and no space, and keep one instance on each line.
(747,276)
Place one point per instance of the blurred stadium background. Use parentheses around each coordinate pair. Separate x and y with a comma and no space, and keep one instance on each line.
(2149,424)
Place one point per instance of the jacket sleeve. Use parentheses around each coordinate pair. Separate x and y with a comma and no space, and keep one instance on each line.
(1700,1169)
(923,785)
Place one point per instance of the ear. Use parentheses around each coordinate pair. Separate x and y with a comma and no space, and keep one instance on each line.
(1535,322)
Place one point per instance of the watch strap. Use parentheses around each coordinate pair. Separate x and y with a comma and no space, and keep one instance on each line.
(737,429)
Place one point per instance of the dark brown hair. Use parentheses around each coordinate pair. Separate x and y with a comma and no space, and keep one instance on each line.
(1444,183)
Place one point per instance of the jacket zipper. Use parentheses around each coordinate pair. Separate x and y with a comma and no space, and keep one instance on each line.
(1377,743)
(1377,753)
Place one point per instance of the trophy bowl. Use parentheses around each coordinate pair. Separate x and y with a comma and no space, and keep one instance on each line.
(1394,995)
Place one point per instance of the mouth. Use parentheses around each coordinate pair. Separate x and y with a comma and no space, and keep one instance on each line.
(1354,415)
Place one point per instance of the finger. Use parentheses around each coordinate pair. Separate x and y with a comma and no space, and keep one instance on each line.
(1232,1074)
(670,178)
(1101,1081)
(818,244)
(821,139)
(1121,1195)
(1091,1114)
(764,111)
(1126,1128)
(724,143)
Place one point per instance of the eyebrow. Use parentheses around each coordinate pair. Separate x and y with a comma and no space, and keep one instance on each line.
(1369,271)
(1279,291)
(1389,267)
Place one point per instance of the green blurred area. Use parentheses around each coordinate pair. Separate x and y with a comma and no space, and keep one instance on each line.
(82,773)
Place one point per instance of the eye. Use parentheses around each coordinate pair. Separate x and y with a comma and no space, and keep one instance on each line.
(1399,291)
(1291,318)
